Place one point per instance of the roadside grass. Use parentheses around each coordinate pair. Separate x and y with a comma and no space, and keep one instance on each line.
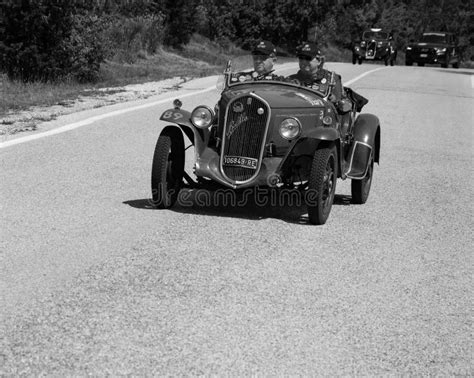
(199,58)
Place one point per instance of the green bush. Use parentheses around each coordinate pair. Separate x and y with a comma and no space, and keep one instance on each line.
(125,38)
(49,40)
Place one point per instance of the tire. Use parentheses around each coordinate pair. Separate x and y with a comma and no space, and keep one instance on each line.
(392,62)
(359,60)
(167,168)
(386,62)
(354,59)
(456,65)
(408,63)
(322,185)
(446,63)
(421,64)
(360,189)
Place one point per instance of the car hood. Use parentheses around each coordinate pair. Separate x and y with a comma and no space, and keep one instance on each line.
(375,40)
(428,45)
(278,95)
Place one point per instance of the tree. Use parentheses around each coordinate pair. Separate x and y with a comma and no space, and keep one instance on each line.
(48,40)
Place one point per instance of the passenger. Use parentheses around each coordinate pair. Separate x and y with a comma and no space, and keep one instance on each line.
(312,73)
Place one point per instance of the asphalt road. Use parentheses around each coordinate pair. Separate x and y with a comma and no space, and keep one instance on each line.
(95,282)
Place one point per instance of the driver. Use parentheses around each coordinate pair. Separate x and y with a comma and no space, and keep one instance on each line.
(312,73)
(264,57)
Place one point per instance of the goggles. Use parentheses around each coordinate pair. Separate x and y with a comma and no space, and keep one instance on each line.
(309,59)
(260,55)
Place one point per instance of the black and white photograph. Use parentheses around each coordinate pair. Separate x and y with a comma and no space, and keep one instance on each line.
(236,188)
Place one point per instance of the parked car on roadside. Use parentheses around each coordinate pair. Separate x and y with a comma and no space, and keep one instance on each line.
(433,48)
(376,44)
(269,133)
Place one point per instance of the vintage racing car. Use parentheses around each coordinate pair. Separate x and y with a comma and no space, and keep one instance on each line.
(433,48)
(273,134)
(376,44)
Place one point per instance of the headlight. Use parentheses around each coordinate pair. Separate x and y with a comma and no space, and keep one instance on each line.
(290,128)
(409,48)
(441,50)
(379,44)
(362,44)
(202,117)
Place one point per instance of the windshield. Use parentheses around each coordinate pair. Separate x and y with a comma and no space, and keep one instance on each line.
(433,38)
(241,71)
(375,35)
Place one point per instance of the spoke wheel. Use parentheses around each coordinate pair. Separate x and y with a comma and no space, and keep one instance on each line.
(322,185)
(360,189)
(168,168)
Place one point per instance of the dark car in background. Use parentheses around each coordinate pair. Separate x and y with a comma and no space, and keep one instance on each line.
(376,44)
(433,48)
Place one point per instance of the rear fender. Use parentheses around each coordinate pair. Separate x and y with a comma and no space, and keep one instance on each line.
(366,143)
(198,137)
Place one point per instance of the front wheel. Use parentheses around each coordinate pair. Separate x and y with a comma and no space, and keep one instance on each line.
(354,58)
(360,60)
(322,185)
(360,189)
(168,168)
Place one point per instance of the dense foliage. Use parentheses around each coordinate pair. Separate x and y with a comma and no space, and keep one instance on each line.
(52,39)
(49,40)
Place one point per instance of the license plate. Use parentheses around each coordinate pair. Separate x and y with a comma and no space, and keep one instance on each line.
(423,55)
(240,161)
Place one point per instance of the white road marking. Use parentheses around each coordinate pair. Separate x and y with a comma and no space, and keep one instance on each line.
(362,75)
(88,121)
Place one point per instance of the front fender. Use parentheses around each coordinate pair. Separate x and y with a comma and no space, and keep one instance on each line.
(307,144)
(309,140)
(198,137)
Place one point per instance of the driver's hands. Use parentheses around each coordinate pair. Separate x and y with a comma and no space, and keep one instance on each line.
(295,81)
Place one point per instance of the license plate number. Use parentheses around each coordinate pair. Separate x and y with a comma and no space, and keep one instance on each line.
(240,161)
(423,55)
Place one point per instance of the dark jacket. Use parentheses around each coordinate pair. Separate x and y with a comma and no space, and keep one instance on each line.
(322,81)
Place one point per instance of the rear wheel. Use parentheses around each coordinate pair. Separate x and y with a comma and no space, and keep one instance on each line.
(322,185)
(360,60)
(408,63)
(168,168)
(421,64)
(456,65)
(360,189)
(354,58)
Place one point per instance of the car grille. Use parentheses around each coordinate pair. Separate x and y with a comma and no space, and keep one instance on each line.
(425,50)
(244,135)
